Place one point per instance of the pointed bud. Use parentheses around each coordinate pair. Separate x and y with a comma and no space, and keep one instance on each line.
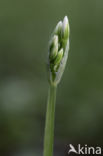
(53,52)
(59,57)
(53,41)
(65,28)
(53,47)
(58,28)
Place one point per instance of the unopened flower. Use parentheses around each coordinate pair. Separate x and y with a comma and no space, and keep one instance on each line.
(58,51)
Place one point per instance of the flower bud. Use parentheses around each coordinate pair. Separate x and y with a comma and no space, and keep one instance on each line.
(58,28)
(54,52)
(65,29)
(53,47)
(58,51)
(53,41)
(59,57)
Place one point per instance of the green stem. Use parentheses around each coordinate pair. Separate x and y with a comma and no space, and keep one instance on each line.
(49,126)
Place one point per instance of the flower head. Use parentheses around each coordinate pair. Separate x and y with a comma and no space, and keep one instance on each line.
(58,51)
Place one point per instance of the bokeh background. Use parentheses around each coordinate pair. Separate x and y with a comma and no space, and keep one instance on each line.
(25,28)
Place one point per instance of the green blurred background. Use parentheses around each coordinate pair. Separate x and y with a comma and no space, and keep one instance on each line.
(25,28)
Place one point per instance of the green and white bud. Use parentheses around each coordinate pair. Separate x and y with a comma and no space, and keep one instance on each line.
(58,51)
(65,30)
(53,41)
(58,28)
(59,57)
(54,47)
(54,52)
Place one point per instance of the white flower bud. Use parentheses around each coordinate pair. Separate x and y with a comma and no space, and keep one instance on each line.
(58,28)
(53,41)
(53,47)
(65,28)
(59,57)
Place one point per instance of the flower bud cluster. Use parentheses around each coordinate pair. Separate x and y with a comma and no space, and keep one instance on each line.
(58,51)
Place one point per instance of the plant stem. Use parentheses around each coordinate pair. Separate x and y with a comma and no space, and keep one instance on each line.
(49,126)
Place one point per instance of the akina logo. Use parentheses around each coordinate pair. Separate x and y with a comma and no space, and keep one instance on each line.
(84,150)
